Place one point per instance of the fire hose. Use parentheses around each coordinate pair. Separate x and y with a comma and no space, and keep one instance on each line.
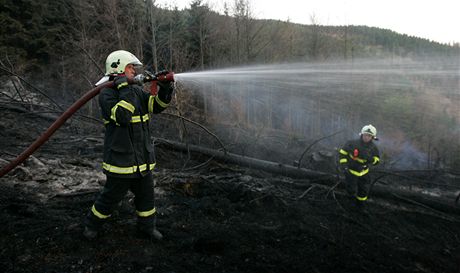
(163,76)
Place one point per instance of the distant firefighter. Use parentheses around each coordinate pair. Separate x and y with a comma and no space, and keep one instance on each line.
(354,159)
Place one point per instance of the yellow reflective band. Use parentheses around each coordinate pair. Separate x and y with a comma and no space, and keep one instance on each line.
(342,151)
(146,213)
(151,103)
(108,121)
(98,214)
(126,170)
(360,160)
(123,84)
(361,198)
(376,160)
(343,160)
(144,167)
(119,170)
(162,104)
(128,106)
(113,112)
(136,119)
(361,173)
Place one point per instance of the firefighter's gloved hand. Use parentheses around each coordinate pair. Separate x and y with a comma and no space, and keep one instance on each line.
(166,86)
(120,82)
(148,76)
(165,91)
(162,72)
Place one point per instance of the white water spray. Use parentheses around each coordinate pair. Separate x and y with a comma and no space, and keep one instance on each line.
(408,102)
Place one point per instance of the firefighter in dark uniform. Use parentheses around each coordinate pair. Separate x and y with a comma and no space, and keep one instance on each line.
(128,151)
(355,158)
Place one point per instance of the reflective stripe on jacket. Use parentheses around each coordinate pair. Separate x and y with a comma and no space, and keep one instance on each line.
(128,149)
(357,155)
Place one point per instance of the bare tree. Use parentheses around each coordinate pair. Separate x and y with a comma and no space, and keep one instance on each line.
(315,44)
(248,31)
(241,14)
(152,8)
(112,14)
(199,30)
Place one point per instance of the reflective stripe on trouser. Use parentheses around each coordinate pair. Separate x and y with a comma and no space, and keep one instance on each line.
(146,213)
(358,186)
(127,170)
(115,190)
(361,198)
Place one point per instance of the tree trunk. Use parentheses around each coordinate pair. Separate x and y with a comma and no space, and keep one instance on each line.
(250,162)
(444,204)
(154,43)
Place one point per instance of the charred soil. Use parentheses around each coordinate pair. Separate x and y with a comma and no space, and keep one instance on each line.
(214,218)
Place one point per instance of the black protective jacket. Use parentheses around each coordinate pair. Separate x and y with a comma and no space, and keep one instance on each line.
(357,155)
(128,149)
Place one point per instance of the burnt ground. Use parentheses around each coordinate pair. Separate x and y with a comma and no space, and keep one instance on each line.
(214,218)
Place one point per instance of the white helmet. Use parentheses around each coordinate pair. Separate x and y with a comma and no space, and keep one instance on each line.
(370,130)
(117,61)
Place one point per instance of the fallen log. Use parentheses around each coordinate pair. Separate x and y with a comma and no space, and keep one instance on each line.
(442,203)
(272,167)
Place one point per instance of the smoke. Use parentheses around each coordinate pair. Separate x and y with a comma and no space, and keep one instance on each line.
(404,156)
(280,109)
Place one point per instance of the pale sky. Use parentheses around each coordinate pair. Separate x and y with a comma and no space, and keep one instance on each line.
(437,20)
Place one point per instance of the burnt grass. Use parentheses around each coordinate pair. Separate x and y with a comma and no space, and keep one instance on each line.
(214,218)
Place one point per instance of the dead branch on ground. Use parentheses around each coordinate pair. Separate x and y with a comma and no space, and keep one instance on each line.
(8,105)
(305,192)
(43,93)
(313,143)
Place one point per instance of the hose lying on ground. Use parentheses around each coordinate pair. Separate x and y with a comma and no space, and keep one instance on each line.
(53,128)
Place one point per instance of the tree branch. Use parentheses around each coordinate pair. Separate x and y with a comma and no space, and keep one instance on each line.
(3,68)
(201,126)
(313,143)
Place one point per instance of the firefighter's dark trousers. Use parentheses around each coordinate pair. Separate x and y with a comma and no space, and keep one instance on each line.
(114,191)
(357,186)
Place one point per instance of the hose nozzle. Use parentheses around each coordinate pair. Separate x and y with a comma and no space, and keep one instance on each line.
(147,76)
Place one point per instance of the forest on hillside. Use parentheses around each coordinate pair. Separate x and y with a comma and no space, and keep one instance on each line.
(70,39)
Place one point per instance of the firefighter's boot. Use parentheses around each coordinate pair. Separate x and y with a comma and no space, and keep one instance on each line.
(151,234)
(92,226)
(146,228)
(89,233)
